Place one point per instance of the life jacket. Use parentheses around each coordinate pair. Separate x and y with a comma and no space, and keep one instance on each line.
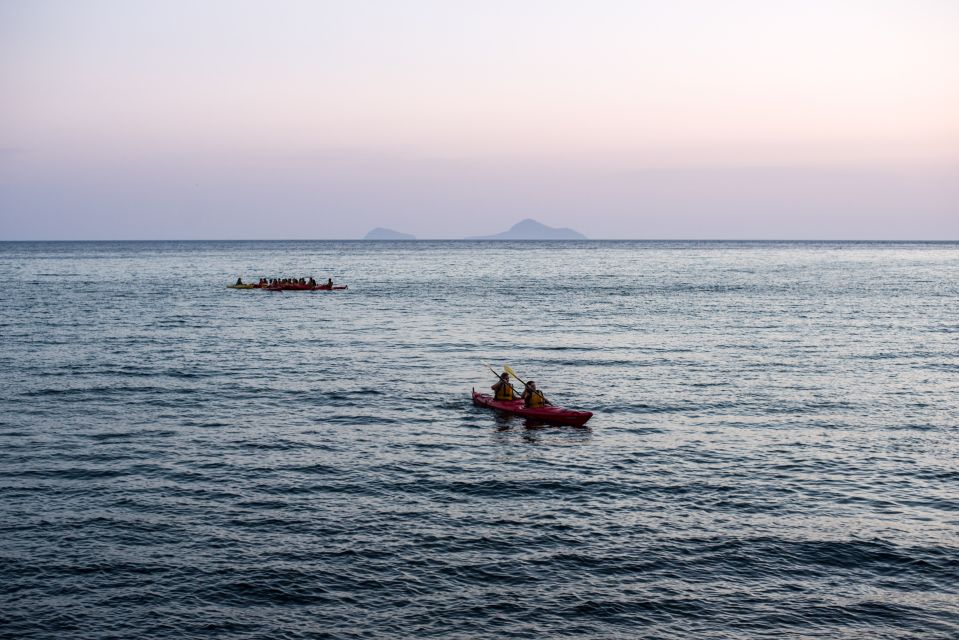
(535,400)
(504,392)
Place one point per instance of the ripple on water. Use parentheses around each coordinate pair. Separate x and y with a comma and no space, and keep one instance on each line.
(771,452)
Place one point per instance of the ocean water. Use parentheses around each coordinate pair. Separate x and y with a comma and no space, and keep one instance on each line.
(773,451)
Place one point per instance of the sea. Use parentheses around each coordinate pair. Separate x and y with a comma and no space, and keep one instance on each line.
(773,451)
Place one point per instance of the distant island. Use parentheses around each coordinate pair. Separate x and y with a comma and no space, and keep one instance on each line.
(380,233)
(529,229)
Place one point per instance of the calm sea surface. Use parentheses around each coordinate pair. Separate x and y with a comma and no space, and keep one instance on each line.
(774,451)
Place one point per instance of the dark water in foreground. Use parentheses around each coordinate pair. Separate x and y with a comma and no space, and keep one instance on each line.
(774,450)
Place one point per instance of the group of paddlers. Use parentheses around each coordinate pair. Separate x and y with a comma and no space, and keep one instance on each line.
(272,283)
(532,397)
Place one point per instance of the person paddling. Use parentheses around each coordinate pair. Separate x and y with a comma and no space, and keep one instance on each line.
(503,389)
(239,282)
(533,398)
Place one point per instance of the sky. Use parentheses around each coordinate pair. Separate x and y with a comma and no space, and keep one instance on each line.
(763,119)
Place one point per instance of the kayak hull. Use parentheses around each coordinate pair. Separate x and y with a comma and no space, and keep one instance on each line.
(553,415)
(306,288)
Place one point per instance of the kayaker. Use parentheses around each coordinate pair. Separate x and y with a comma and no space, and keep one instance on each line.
(503,389)
(533,398)
(329,283)
(239,281)
(311,282)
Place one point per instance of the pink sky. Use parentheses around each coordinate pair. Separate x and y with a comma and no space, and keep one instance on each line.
(786,119)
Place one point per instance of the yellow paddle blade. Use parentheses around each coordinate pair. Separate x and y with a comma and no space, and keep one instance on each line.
(508,369)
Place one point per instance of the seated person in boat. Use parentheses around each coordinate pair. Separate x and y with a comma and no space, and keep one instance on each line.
(329,282)
(239,281)
(503,389)
(533,398)
(311,282)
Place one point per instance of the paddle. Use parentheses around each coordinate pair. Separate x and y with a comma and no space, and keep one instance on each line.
(508,369)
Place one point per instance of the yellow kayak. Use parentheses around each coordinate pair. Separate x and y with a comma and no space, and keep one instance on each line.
(241,286)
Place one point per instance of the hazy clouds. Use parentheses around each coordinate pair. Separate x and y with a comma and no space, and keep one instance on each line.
(444,119)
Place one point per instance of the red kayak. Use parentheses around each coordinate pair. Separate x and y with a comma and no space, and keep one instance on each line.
(555,415)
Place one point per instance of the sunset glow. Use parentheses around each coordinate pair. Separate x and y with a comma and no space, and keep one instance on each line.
(255,88)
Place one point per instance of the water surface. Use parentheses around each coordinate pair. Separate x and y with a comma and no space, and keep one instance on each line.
(773,451)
